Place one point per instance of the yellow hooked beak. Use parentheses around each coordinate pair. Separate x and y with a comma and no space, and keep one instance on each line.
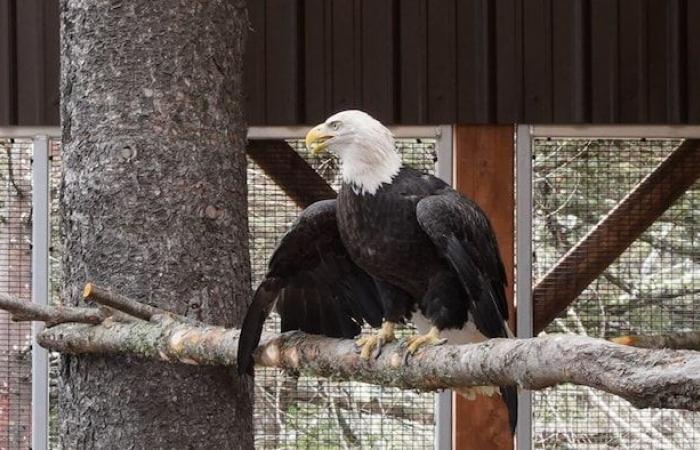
(317,139)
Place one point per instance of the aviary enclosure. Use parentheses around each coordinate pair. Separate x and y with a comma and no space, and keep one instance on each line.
(478,64)
(652,287)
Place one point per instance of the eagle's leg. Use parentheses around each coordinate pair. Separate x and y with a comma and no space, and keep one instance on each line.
(370,342)
(432,337)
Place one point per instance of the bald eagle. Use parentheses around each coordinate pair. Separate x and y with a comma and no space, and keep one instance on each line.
(396,245)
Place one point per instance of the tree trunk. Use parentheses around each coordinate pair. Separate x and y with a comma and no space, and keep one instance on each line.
(154,204)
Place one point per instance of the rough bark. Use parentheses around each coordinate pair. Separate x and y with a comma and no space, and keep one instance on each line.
(646,378)
(154,204)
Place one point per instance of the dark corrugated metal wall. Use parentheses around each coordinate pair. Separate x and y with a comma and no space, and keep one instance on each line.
(29,65)
(424,61)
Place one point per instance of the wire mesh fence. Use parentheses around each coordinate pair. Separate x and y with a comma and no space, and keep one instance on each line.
(15,279)
(314,413)
(652,287)
(290,412)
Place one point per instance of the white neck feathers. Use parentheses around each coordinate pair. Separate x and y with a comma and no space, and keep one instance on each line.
(365,169)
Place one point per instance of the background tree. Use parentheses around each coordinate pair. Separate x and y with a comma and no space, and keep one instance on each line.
(154,203)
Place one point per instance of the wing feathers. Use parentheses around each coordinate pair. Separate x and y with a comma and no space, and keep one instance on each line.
(315,284)
(462,234)
(486,312)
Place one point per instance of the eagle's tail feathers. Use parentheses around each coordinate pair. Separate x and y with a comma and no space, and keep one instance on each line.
(510,398)
(251,330)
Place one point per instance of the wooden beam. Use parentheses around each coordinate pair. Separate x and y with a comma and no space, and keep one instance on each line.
(615,233)
(290,171)
(484,156)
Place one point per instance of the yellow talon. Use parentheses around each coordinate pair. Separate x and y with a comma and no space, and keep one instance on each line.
(432,337)
(376,341)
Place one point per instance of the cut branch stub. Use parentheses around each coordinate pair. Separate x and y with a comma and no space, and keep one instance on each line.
(119,302)
(128,306)
(688,340)
(25,311)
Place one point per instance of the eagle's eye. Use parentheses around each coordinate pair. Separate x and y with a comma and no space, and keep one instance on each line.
(335,125)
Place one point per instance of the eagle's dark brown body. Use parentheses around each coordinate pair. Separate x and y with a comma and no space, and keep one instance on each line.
(382,235)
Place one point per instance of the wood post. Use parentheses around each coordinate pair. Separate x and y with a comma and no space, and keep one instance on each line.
(484,158)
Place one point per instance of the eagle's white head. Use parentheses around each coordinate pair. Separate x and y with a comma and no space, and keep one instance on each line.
(364,146)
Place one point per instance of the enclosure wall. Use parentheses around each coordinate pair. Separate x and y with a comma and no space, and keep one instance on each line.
(422,61)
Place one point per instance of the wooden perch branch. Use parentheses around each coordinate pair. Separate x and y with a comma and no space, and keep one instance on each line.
(647,378)
(615,232)
(689,340)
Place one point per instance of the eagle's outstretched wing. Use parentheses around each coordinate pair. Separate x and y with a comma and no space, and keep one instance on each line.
(313,282)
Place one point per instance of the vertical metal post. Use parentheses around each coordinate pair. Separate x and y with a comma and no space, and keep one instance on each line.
(444,153)
(443,400)
(523,284)
(40,289)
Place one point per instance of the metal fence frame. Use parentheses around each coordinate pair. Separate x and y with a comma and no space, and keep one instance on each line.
(524,141)
(523,264)
(41,237)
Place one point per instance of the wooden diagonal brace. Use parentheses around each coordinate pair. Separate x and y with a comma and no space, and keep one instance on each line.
(290,171)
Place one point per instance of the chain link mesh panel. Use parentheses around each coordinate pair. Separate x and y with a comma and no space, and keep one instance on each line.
(315,413)
(15,279)
(651,288)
